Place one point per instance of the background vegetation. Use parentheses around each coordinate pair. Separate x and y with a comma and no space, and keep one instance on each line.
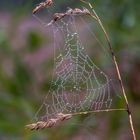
(25,61)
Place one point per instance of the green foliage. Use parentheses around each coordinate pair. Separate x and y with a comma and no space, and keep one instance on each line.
(34,41)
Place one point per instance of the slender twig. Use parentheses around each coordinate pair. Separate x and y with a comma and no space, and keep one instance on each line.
(116,66)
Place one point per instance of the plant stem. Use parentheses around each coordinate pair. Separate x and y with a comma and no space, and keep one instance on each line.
(97,111)
(95,16)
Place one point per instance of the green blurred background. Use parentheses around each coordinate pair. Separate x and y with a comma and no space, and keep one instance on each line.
(25,61)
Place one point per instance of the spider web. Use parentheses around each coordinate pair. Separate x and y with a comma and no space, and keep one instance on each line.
(78,84)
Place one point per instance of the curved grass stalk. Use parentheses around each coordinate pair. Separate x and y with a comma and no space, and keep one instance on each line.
(96,17)
(62,117)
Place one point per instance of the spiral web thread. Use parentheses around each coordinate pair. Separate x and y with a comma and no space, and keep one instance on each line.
(78,84)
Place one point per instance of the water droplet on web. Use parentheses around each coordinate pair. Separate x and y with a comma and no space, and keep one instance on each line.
(67,93)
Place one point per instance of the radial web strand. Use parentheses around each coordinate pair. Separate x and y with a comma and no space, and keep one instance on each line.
(78,84)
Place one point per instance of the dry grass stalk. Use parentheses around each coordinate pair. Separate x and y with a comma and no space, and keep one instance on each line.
(62,117)
(69,12)
(116,66)
(46,3)
(49,123)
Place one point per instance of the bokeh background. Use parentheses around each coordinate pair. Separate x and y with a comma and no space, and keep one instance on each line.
(25,61)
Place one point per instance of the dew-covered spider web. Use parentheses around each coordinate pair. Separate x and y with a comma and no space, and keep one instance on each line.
(78,83)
